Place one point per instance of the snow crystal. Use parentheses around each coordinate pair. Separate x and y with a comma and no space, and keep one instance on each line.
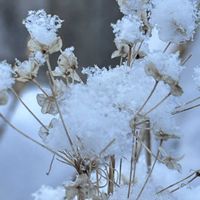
(49,193)
(167,64)
(101,110)
(42,26)
(128,30)
(175,20)
(132,6)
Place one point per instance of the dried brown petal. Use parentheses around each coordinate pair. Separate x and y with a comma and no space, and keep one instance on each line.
(151,70)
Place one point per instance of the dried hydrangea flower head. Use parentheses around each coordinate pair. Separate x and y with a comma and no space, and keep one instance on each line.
(175,23)
(128,30)
(43,31)
(67,65)
(161,135)
(6,81)
(26,70)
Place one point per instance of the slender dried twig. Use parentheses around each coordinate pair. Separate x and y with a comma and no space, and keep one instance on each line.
(35,82)
(168,44)
(158,104)
(149,96)
(29,110)
(150,173)
(51,82)
(196,173)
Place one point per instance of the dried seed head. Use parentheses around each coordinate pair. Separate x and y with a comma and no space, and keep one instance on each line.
(161,135)
(175,88)
(151,70)
(172,163)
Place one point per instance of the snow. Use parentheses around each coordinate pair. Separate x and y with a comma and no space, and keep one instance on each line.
(128,30)
(42,26)
(175,23)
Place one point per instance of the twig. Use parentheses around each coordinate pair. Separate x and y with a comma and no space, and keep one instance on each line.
(51,164)
(184,61)
(185,109)
(150,95)
(56,102)
(158,104)
(196,173)
(39,86)
(169,43)
(30,111)
(149,175)
(28,137)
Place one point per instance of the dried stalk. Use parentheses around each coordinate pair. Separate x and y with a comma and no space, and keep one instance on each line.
(111,175)
(158,104)
(150,172)
(29,110)
(57,105)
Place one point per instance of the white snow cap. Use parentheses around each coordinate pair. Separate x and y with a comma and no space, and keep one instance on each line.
(167,63)
(130,6)
(49,193)
(5,76)
(128,29)
(42,26)
(175,19)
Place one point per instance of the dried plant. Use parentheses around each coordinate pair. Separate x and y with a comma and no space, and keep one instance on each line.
(103,127)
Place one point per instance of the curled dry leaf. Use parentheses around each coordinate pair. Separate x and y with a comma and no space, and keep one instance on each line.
(34,45)
(26,71)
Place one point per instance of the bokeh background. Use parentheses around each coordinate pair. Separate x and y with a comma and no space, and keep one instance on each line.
(86,26)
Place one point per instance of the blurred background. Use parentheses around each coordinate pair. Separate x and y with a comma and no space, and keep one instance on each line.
(86,26)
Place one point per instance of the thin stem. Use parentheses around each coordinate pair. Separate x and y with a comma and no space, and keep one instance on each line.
(121,60)
(186,109)
(136,53)
(22,102)
(120,170)
(56,102)
(129,56)
(150,95)
(184,61)
(106,147)
(51,164)
(158,104)
(97,178)
(28,137)
(172,185)
(39,86)
(149,175)
(132,166)
(184,184)
(169,43)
